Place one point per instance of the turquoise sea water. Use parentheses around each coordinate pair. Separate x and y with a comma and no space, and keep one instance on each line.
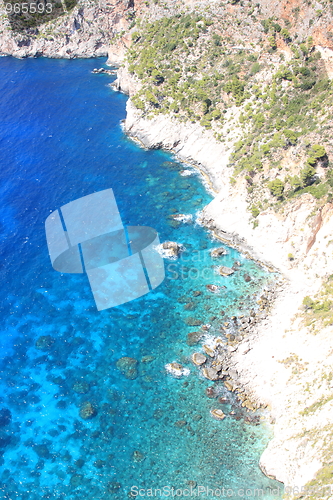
(60,139)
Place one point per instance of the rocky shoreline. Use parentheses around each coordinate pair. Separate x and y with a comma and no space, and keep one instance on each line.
(261,362)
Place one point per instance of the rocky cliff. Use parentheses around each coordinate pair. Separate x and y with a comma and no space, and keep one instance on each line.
(85,31)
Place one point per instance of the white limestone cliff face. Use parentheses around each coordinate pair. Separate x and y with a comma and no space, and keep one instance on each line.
(189,141)
(294,455)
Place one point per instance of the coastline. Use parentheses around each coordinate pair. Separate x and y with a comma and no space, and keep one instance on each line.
(290,456)
(265,359)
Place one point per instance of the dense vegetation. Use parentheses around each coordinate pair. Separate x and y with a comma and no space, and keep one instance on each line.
(319,311)
(188,67)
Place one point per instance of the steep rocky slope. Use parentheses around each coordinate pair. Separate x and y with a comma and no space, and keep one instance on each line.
(285,362)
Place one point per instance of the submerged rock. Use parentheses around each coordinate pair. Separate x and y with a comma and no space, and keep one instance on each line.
(113,487)
(99,71)
(190,306)
(210,392)
(180,423)
(147,359)
(81,387)
(79,463)
(247,278)
(128,367)
(44,342)
(5,417)
(215,288)
(193,321)
(87,411)
(218,252)
(42,451)
(99,464)
(193,338)
(76,480)
(217,414)
(198,358)
(229,385)
(138,456)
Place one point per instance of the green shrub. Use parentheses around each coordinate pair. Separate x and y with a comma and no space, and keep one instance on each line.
(295,182)
(317,190)
(307,174)
(216,114)
(151,98)
(304,49)
(272,42)
(255,68)
(308,302)
(138,103)
(285,35)
(284,74)
(255,211)
(265,149)
(217,40)
(329,177)
(276,187)
(317,151)
(236,88)
(291,137)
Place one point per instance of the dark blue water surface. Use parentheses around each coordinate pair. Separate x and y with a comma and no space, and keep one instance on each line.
(60,139)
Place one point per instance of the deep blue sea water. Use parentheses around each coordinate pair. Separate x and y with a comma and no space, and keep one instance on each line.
(60,139)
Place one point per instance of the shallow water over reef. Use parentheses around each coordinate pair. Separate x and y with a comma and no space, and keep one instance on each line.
(61,139)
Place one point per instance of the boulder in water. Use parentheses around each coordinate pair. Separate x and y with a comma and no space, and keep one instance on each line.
(210,392)
(210,373)
(218,252)
(217,414)
(177,370)
(171,249)
(198,358)
(225,271)
(215,288)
